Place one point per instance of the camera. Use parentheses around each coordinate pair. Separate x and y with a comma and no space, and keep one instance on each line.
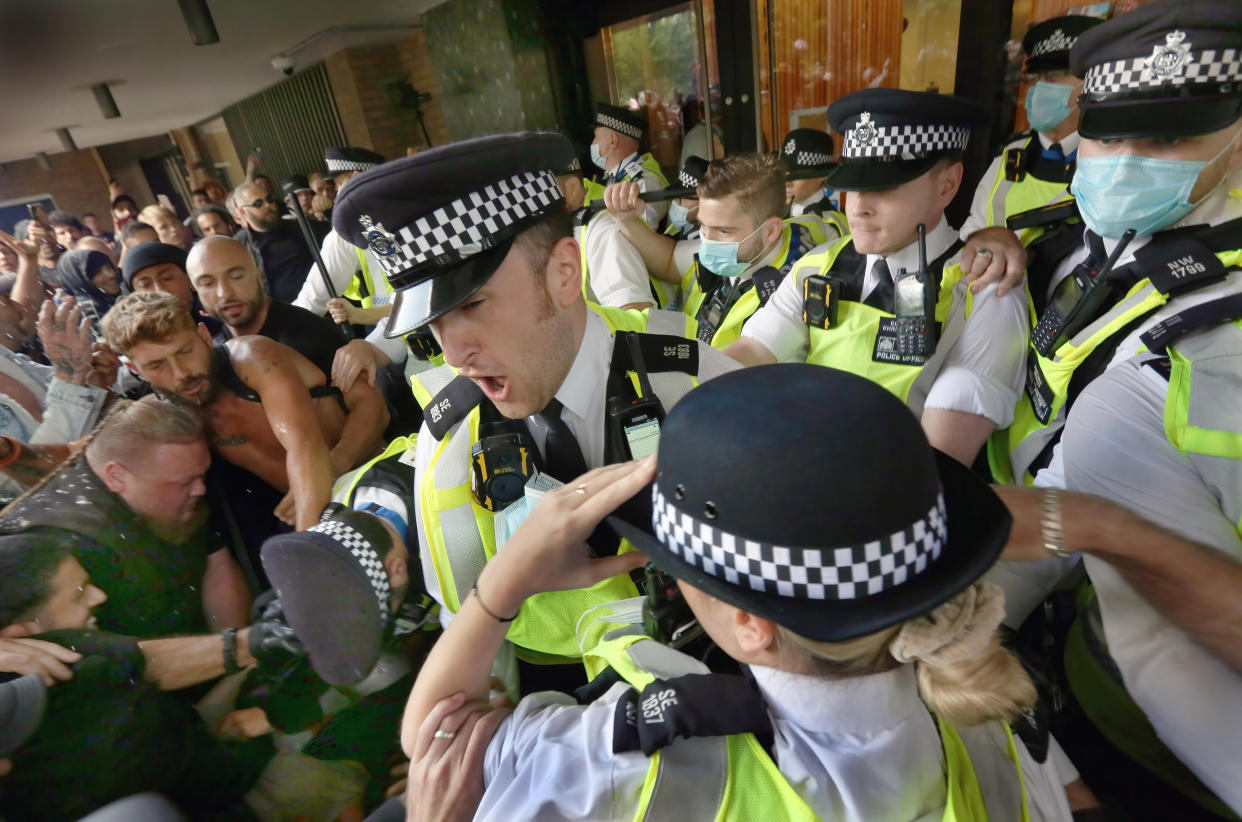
(284,65)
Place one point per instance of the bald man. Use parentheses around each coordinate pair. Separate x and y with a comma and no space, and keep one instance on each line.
(275,242)
(229,286)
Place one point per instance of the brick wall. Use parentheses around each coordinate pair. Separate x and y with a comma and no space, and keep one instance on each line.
(74,182)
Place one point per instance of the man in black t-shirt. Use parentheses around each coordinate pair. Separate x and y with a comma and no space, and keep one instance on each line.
(275,243)
(230,290)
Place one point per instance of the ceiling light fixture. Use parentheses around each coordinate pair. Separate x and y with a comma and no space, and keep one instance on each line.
(198,21)
(66,139)
(103,96)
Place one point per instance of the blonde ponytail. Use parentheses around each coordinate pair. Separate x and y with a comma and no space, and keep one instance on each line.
(964,674)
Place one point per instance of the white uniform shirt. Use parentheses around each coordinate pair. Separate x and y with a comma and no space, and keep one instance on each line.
(860,749)
(982,374)
(982,202)
(1190,696)
(798,209)
(617,274)
(1219,207)
(583,395)
(654,212)
(341,260)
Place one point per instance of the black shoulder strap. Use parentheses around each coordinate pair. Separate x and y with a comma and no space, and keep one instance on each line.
(850,268)
(1164,333)
(1184,259)
(451,405)
(660,353)
(693,705)
(1044,216)
(228,375)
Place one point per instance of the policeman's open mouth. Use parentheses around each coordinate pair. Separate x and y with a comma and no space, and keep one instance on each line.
(496,389)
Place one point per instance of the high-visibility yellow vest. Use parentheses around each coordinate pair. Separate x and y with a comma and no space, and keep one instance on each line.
(733,778)
(365,287)
(459,532)
(859,343)
(1024,181)
(662,294)
(1040,414)
(799,236)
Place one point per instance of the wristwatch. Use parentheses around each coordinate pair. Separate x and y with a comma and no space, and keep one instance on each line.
(230,650)
(1050,524)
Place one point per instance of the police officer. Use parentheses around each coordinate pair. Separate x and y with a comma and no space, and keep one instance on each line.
(1160,151)
(745,249)
(683,212)
(876,304)
(354,272)
(615,149)
(1162,148)
(808,150)
(613,273)
(1035,168)
(832,722)
(481,251)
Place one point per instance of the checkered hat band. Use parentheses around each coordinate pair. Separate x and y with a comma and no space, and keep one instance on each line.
(811,158)
(337,166)
(895,141)
(619,126)
(687,179)
(370,562)
(1210,66)
(849,572)
(474,220)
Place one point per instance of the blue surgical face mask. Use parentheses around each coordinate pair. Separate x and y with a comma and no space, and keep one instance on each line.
(679,215)
(597,157)
(1047,105)
(1143,193)
(721,258)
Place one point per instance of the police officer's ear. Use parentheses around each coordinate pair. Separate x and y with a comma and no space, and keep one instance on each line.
(563,273)
(947,176)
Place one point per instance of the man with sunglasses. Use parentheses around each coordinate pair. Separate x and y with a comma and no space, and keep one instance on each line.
(275,243)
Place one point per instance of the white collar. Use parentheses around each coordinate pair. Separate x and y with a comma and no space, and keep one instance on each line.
(854,706)
(939,239)
(586,379)
(1069,143)
(797,209)
(611,171)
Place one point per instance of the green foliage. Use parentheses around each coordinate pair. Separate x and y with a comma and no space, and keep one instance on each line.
(656,56)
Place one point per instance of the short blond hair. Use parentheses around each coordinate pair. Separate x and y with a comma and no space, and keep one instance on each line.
(145,316)
(758,181)
(132,429)
(155,212)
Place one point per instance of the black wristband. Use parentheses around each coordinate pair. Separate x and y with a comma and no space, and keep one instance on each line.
(229,635)
(489,611)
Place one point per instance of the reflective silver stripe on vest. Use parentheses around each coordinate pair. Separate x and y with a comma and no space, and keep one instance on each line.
(702,761)
(1215,356)
(1029,449)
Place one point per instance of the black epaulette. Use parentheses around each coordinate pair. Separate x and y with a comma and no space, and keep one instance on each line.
(1021,135)
(1044,215)
(451,405)
(661,353)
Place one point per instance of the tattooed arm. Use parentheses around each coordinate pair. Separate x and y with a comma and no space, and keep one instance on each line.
(66,338)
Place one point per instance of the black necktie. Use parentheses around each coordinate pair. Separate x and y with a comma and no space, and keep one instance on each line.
(1055,152)
(881,296)
(562,454)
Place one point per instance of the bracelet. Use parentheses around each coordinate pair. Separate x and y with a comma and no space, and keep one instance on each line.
(1050,524)
(489,611)
(15,451)
(230,650)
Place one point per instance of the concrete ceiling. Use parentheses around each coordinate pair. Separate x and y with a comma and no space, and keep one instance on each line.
(51,52)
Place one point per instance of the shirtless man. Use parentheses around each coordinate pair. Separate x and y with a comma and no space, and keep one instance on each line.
(308,434)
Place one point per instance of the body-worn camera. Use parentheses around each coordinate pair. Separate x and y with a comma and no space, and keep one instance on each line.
(500,464)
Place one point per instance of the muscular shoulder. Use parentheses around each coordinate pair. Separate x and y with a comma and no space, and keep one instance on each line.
(258,360)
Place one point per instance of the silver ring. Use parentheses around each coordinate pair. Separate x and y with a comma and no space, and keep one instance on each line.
(984,252)
(444,734)
(581,489)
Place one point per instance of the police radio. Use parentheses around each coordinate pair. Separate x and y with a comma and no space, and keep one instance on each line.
(914,298)
(633,419)
(1076,301)
(422,343)
(666,616)
(501,462)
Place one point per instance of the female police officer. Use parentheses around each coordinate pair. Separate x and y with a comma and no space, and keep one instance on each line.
(879,687)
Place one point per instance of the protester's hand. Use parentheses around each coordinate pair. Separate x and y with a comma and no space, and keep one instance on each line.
(623,202)
(35,656)
(105,365)
(115,189)
(446,768)
(270,636)
(287,510)
(66,338)
(22,248)
(548,551)
(341,309)
(252,165)
(994,255)
(353,359)
(246,723)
